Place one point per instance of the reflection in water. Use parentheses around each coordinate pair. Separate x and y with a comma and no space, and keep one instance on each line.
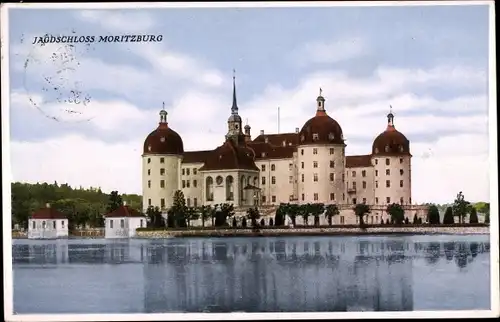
(258,274)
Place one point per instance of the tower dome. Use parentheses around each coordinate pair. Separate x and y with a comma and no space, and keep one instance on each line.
(321,129)
(391,141)
(163,140)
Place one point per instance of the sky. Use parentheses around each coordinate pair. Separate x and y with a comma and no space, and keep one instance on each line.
(79,113)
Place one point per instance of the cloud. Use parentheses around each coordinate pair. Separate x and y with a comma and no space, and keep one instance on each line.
(331,52)
(119,21)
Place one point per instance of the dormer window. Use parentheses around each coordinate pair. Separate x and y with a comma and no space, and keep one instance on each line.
(263,154)
(315,136)
(376,150)
(401,148)
(220,157)
(149,147)
(266,140)
(162,139)
(331,136)
(284,143)
(302,138)
(387,148)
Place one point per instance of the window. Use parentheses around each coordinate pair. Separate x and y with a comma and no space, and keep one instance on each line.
(187,183)
(315,136)
(332,164)
(290,179)
(263,167)
(354,174)
(387,161)
(149,160)
(401,183)
(162,202)
(149,202)
(409,200)
(149,172)
(376,161)
(302,177)
(263,180)
(273,180)
(387,172)
(354,185)
(303,197)
(263,198)
(364,200)
(111,223)
(343,196)
(332,150)
(401,172)
(316,196)
(195,202)
(187,171)
(315,177)
(162,183)
(315,151)
(332,196)
(301,151)
(273,167)
(195,171)
(162,171)
(149,183)
(400,160)
(376,200)
(183,171)
(364,184)
(388,199)
(54,224)
(188,202)
(195,183)
(342,219)
(376,184)
(343,177)
(62,223)
(332,177)
(363,173)
(122,223)
(354,200)
(290,166)
(184,183)
(376,173)
(315,164)
(302,165)
(162,160)
(273,198)
(401,200)
(388,183)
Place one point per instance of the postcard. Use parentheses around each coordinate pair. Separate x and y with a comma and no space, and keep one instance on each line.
(260,160)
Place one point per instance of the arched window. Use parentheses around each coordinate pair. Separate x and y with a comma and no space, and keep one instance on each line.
(209,186)
(243,184)
(229,188)
(44,224)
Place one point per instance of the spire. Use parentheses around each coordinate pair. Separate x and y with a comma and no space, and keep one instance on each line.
(390,120)
(163,116)
(234,108)
(320,106)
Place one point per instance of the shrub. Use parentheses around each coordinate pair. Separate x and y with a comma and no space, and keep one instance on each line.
(473,216)
(262,222)
(271,223)
(433,215)
(244,222)
(448,216)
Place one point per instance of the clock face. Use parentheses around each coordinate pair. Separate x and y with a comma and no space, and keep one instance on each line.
(219,180)
(162,139)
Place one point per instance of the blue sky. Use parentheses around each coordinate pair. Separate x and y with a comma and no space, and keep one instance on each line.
(430,63)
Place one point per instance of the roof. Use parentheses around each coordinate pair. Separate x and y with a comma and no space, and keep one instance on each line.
(196,156)
(124,211)
(263,151)
(321,129)
(163,140)
(230,156)
(358,161)
(391,142)
(278,139)
(48,213)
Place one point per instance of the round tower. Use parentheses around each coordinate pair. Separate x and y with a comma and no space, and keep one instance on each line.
(391,159)
(321,159)
(161,161)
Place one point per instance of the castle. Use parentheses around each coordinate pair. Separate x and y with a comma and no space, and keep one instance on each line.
(308,166)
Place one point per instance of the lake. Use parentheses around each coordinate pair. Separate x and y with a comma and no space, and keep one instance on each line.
(252,274)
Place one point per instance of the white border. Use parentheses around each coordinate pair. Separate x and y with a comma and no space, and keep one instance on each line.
(6,172)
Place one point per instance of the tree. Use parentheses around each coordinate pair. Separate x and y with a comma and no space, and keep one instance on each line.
(253,214)
(226,212)
(304,212)
(191,215)
(262,222)
(360,210)
(271,223)
(213,214)
(244,222)
(115,201)
(279,218)
(204,212)
(331,211)
(292,211)
(460,207)
(316,210)
(235,224)
(433,215)
(397,213)
(487,218)
(179,209)
(473,216)
(448,216)
(415,219)
(407,221)
(156,220)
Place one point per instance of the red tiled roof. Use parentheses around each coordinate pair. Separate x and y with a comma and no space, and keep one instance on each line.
(124,211)
(392,140)
(277,139)
(48,213)
(328,130)
(263,151)
(230,156)
(358,161)
(195,156)
(163,140)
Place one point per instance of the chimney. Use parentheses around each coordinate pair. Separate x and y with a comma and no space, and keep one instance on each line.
(261,132)
(297,130)
(47,205)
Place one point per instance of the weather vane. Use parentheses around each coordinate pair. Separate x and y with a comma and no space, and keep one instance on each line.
(320,91)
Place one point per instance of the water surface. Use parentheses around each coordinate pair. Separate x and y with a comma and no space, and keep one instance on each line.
(266,274)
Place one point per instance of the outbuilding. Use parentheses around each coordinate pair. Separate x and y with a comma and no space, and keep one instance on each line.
(47,223)
(123,222)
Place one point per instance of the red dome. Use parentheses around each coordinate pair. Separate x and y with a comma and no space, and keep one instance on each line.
(321,129)
(391,141)
(163,140)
